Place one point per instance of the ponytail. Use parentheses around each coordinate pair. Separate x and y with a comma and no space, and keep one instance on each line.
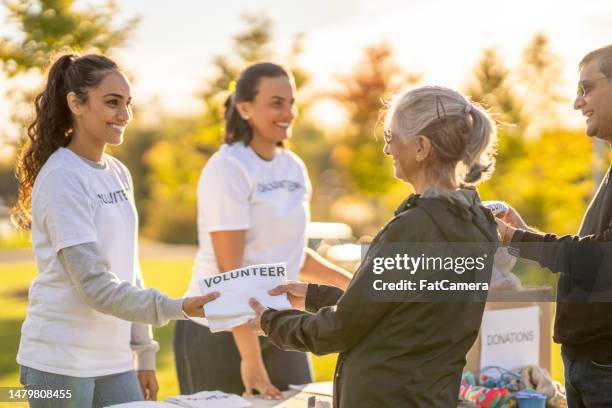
(236,128)
(52,125)
(479,155)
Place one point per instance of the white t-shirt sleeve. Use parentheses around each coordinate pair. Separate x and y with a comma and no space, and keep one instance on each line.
(308,187)
(307,183)
(223,196)
(67,209)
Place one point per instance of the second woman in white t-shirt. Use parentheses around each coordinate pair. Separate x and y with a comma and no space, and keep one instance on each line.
(253,208)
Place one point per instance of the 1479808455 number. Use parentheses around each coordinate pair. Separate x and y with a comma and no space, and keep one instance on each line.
(22,394)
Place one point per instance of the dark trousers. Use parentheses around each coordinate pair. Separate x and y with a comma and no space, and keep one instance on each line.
(588,384)
(208,361)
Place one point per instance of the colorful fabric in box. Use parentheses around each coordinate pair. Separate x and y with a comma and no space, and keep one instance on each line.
(481,391)
(482,396)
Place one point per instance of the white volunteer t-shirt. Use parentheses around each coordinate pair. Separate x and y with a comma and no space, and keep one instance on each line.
(238,190)
(74,203)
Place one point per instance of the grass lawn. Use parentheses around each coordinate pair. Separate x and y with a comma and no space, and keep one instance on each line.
(171,275)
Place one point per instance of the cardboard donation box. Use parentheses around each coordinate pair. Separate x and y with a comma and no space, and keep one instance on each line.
(514,333)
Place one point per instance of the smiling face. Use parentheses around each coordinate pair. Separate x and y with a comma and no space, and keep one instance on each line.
(408,155)
(594,100)
(103,117)
(272,110)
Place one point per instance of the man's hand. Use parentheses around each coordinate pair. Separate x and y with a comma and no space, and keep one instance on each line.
(148,384)
(255,323)
(506,232)
(514,219)
(296,293)
(194,306)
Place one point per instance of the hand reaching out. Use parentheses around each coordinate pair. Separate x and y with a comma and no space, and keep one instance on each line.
(296,293)
(194,306)
(506,232)
(514,219)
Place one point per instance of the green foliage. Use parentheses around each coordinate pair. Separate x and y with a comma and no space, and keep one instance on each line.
(249,46)
(50,26)
(365,173)
(549,180)
(175,166)
(547,177)
(364,89)
(491,86)
(540,79)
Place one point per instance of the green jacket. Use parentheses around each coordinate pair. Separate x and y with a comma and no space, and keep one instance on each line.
(405,352)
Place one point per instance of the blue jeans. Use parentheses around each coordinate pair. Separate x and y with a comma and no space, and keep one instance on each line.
(588,383)
(85,392)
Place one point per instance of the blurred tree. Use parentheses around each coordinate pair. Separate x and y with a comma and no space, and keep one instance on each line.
(540,80)
(363,91)
(50,26)
(491,86)
(551,184)
(535,174)
(367,174)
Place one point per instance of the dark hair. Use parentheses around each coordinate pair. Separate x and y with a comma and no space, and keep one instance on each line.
(604,55)
(236,128)
(52,126)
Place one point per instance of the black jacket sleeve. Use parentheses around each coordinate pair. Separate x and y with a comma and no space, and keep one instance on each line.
(568,254)
(319,296)
(336,328)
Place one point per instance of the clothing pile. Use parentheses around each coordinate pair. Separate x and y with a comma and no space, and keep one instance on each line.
(236,287)
(497,387)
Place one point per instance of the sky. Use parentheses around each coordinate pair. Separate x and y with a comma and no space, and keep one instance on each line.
(171,51)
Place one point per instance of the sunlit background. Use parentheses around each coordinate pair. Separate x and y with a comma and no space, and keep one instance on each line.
(519,58)
(171,51)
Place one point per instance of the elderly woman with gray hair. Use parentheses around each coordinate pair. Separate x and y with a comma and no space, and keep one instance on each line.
(407,349)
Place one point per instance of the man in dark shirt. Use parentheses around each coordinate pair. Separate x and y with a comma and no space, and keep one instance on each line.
(583,322)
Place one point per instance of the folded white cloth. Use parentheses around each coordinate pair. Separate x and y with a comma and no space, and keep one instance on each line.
(209,399)
(236,287)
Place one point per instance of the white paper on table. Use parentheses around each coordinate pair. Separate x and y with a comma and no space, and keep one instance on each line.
(510,338)
(236,287)
(325,388)
(143,404)
(209,399)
